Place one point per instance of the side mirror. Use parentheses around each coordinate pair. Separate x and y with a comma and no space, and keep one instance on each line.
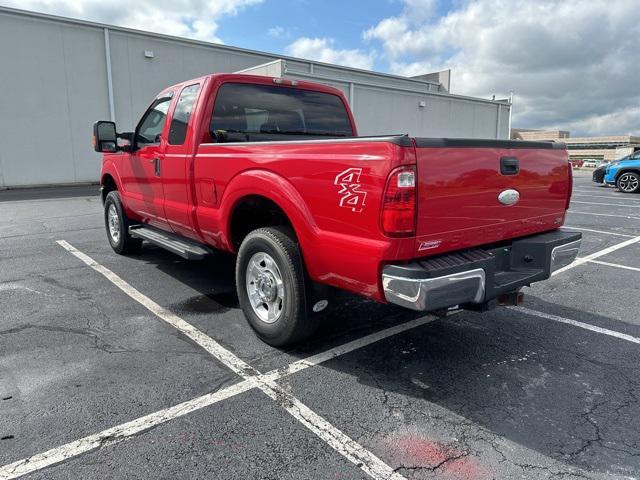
(105,138)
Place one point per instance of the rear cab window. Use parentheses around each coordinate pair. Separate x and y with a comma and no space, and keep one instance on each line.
(246,112)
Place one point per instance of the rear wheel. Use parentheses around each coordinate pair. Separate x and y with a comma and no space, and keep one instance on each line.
(270,281)
(117,225)
(628,182)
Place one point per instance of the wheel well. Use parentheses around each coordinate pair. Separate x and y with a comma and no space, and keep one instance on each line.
(255,212)
(108,185)
(627,170)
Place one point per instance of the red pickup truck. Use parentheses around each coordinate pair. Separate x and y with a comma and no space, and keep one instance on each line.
(273,170)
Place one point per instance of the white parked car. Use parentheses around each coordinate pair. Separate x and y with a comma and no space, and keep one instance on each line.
(590,163)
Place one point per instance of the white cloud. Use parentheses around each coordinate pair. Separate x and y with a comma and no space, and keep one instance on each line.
(322,50)
(184,18)
(277,32)
(570,62)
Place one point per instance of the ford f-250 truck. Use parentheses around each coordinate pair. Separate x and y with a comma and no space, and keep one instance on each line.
(273,170)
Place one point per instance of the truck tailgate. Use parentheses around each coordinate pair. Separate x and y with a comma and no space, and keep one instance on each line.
(460,182)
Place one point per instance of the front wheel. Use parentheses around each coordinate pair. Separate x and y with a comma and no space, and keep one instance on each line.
(270,281)
(628,182)
(117,225)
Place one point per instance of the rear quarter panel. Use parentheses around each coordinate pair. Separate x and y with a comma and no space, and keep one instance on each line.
(330,191)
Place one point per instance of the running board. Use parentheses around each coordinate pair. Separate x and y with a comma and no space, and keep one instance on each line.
(187,249)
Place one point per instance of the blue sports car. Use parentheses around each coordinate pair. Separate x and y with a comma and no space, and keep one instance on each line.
(624,173)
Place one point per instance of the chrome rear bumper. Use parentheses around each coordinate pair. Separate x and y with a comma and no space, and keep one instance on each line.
(564,255)
(435,293)
(480,275)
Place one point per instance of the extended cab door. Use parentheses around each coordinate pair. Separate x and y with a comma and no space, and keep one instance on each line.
(143,169)
(176,165)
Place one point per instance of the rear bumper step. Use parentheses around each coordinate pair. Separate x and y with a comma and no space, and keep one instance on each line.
(475,277)
(175,244)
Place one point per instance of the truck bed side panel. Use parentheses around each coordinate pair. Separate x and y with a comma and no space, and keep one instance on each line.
(331,192)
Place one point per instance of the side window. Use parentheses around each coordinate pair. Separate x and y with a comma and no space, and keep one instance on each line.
(181,114)
(152,123)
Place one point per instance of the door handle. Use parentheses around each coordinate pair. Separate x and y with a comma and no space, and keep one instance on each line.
(157,166)
(509,165)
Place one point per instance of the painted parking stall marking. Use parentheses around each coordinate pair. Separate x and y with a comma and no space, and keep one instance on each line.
(630,217)
(616,265)
(331,435)
(120,433)
(576,323)
(580,229)
(600,253)
(340,442)
(607,204)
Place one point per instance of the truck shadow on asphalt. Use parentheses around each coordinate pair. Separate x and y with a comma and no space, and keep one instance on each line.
(566,393)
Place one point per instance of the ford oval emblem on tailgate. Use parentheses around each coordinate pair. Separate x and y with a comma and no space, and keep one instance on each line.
(509,197)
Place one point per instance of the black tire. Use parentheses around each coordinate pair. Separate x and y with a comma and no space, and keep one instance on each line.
(293,324)
(123,243)
(628,182)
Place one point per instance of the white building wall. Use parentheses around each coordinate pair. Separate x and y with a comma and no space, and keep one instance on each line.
(53,80)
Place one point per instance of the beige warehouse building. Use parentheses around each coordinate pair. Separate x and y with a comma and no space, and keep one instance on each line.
(607,148)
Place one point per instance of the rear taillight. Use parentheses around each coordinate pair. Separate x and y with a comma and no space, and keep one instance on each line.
(399,203)
(570,187)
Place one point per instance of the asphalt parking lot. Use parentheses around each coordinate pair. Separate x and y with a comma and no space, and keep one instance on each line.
(144,367)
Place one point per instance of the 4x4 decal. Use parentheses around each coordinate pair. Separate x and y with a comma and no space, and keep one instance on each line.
(351,195)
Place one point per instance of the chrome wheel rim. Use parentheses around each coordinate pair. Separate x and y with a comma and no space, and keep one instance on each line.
(113,222)
(628,182)
(265,287)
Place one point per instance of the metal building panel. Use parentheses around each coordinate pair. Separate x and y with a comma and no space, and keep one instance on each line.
(58,87)
(35,131)
(86,82)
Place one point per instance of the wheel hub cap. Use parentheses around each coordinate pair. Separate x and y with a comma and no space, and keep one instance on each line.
(265,287)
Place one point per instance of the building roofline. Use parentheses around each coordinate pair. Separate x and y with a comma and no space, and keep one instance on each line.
(116,28)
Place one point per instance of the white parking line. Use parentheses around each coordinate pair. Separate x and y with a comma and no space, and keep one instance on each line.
(623,197)
(575,323)
(209,344)
(620,197)
(120,433)
(609,204)
(339,441)
(590,187)
(600,253)
(605,215)
(580,229)
(625,267)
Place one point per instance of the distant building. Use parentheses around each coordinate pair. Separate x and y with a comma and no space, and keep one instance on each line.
(580,148)
(538,135)
(59,75)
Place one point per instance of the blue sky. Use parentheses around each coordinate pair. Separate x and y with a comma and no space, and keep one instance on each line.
(570,63)
(343,21)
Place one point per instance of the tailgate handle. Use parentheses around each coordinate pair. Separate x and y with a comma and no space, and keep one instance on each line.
(509,165)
